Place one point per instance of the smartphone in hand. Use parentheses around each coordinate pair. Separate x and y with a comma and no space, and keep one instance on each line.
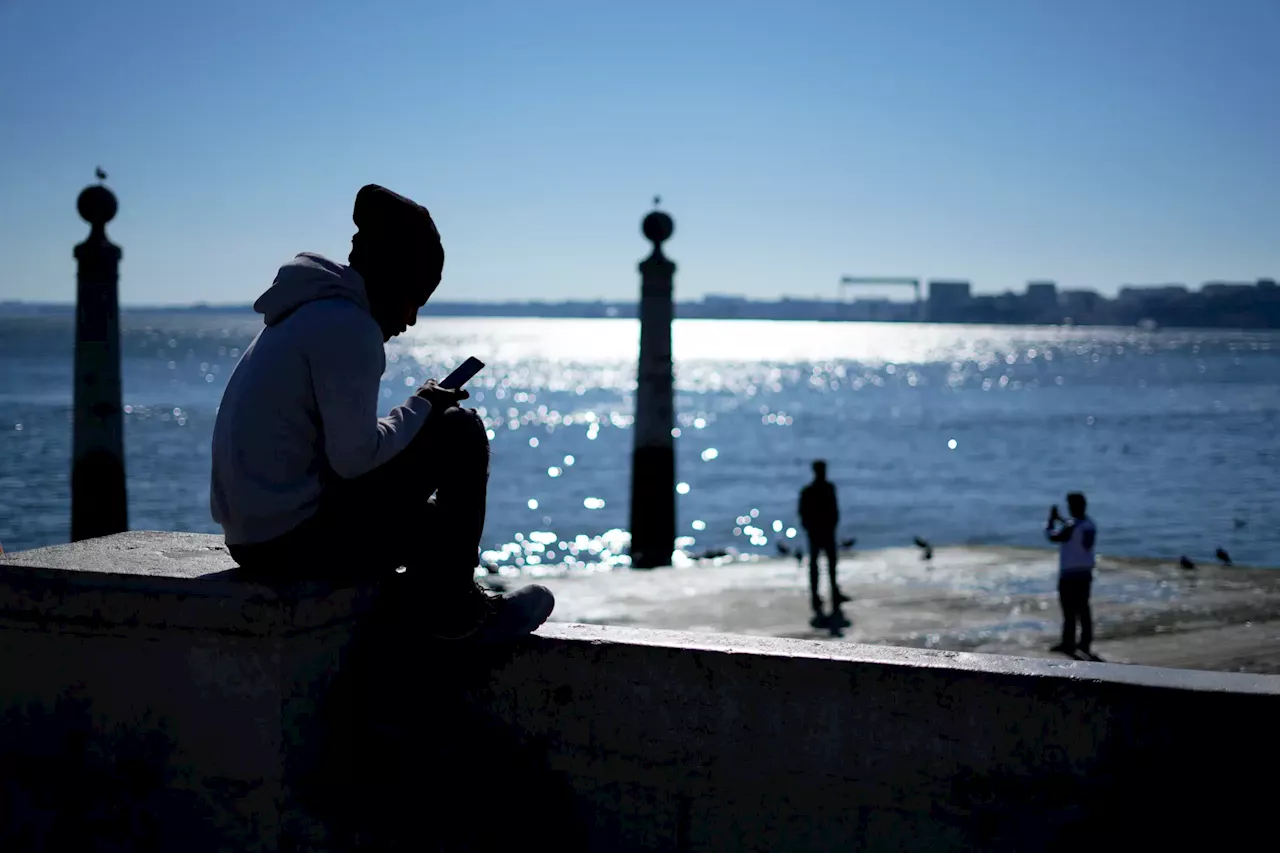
(462,374)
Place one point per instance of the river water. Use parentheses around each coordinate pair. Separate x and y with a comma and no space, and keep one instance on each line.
(958,434)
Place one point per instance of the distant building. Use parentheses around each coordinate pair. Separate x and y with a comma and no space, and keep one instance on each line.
(723,306)
(948,300)
(1138,305)
(1041,302)
(1215,289)
(1082,306)
(1143,293)
(791,308)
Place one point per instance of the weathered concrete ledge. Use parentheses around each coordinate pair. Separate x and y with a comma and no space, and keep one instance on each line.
(182,581)
(725,742)
(138,668)
(140,671)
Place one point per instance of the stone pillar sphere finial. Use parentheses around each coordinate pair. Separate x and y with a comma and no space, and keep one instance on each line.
(658,227)
(97,205)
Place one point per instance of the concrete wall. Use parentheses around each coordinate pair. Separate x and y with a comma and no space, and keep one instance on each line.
(150,695)
(738,743)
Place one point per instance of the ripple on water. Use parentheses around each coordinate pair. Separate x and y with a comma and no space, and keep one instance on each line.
(1175,414)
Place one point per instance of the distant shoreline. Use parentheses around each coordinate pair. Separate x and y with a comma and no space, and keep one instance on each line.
(573,311)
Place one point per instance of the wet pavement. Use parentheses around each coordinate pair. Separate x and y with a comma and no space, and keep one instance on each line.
(980,599)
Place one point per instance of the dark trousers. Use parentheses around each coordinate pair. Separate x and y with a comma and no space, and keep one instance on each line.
(423,507)
(396,703)
(1073,594)
(824,541)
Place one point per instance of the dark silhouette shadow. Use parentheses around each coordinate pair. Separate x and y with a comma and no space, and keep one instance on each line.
(837,622)
(819,512)
(408,756)
(70,785)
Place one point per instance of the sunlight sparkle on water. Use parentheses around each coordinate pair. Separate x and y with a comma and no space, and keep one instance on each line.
(682,488)
(567,383)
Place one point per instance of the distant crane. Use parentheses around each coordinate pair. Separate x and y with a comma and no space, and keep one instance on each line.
(876,281)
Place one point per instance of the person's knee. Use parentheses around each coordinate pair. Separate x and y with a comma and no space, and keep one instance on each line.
(464,425)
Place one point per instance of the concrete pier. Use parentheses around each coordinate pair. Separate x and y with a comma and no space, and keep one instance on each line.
(98,501)
(992,599)
(653,463)
(154,702)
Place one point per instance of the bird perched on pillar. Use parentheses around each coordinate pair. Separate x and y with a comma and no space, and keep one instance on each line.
(102,176)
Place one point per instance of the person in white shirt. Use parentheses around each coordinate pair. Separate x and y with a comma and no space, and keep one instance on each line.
(1075,537)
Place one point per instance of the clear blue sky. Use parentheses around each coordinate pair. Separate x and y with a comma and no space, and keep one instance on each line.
(1094,142)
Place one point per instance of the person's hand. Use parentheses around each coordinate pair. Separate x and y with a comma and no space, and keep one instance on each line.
(1053,514)
(440,397)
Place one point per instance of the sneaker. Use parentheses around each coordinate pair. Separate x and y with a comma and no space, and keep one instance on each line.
(497,618)
(820,620)
(1063,648)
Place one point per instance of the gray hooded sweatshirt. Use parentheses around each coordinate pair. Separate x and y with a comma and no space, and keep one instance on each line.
(302,403)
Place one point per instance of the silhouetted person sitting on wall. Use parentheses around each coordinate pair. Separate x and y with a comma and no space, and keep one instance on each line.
(308,481)
(819,514)
(1076,538)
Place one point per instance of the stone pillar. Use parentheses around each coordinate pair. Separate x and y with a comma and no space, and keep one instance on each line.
(98,506)
(653,463)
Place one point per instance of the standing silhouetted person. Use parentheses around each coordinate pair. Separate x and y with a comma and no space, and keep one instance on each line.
(1076,538)
(819,514)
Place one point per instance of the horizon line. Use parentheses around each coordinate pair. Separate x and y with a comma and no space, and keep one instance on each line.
(636,301)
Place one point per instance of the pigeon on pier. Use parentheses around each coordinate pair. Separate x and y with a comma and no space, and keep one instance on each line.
(1223,556)
(1185,563)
